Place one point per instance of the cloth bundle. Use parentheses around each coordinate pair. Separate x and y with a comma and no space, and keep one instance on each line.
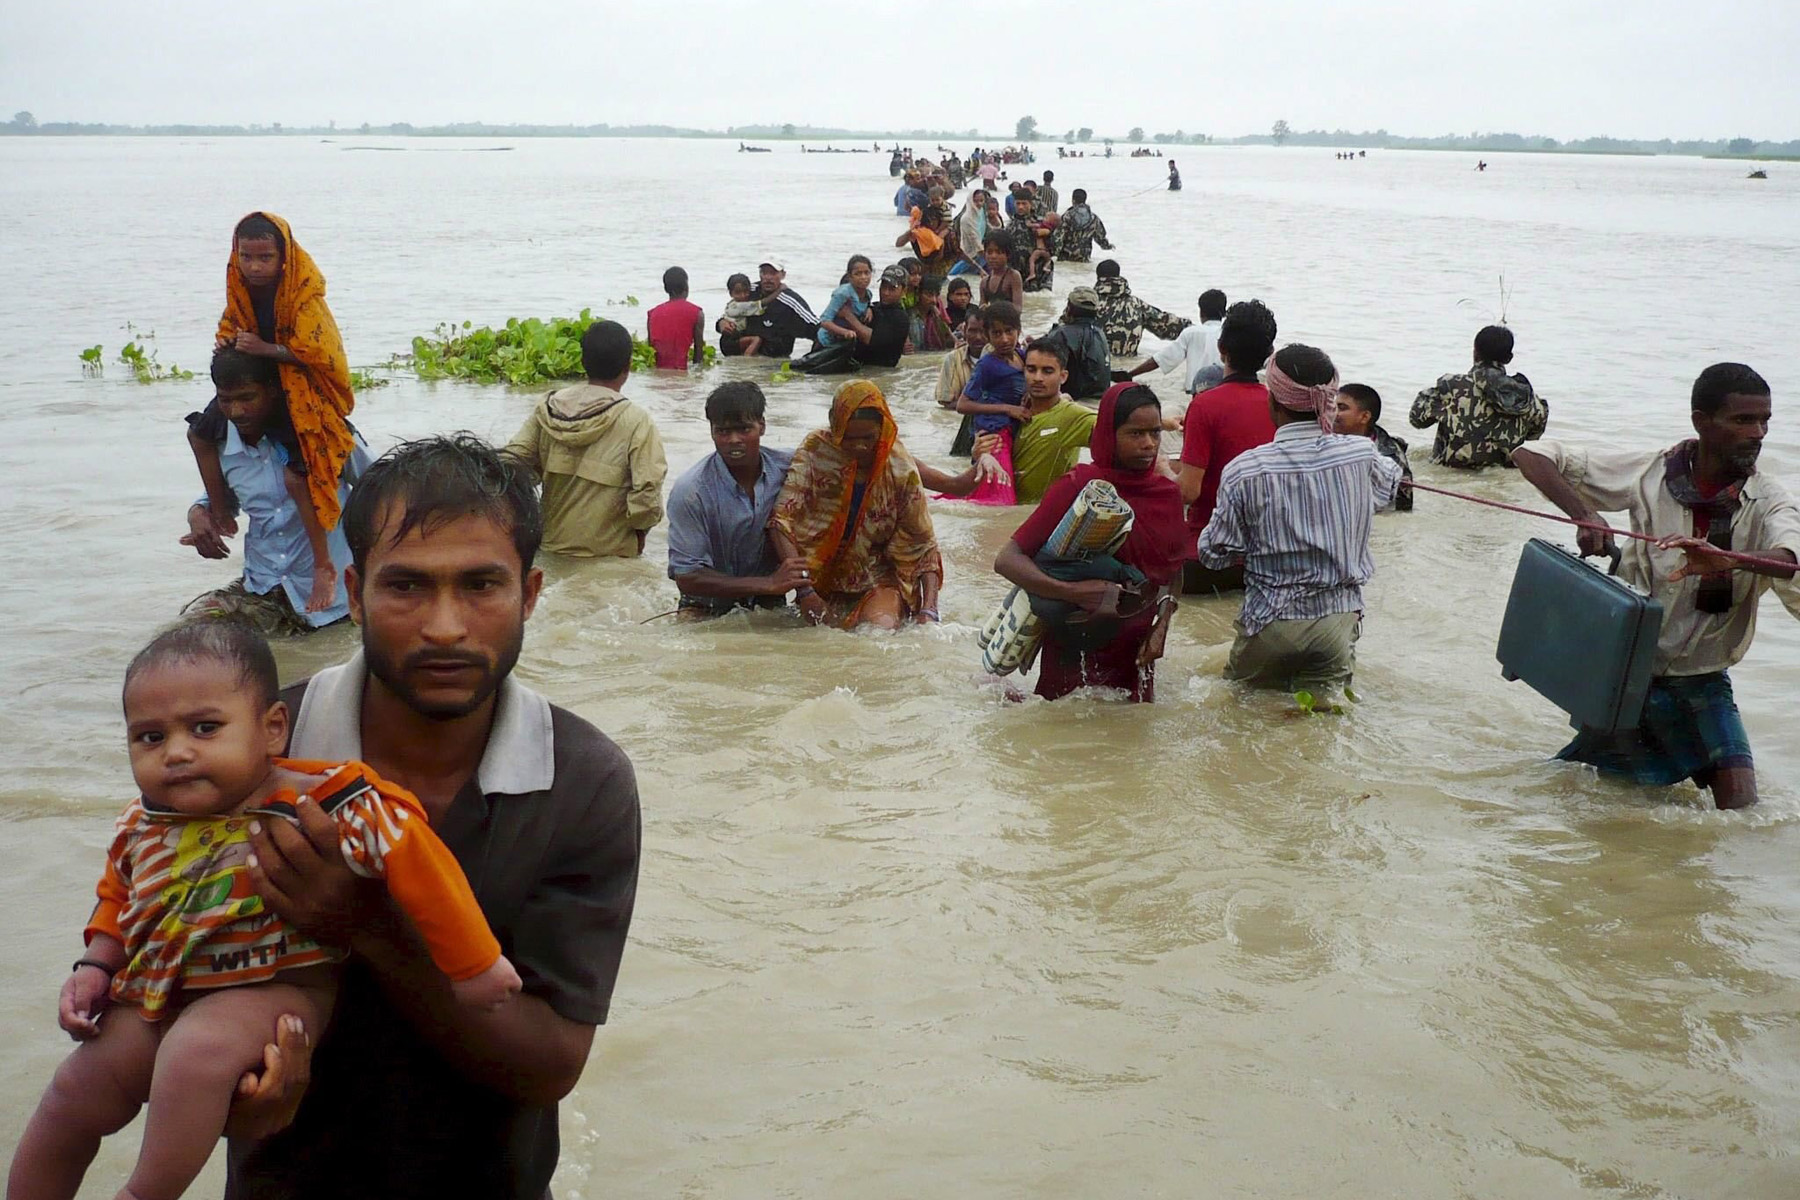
(1095,526)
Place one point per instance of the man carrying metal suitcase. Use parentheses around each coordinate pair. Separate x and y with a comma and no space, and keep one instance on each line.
(1700,497)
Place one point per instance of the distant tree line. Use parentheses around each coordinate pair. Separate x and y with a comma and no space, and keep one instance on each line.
(1026,129)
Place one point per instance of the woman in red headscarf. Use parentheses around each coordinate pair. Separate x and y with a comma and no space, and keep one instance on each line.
(1126,447)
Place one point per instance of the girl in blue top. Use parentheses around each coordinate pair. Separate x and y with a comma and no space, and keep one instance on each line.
(846,315)
(995,395)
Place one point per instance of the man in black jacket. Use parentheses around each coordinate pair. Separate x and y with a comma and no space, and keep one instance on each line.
(786,316)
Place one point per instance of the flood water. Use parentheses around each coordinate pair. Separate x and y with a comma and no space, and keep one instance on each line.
(896,936)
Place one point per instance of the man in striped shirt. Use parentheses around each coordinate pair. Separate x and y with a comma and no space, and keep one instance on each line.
(1298,511)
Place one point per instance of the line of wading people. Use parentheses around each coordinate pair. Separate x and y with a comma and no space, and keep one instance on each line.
(294,859)
(1281,468)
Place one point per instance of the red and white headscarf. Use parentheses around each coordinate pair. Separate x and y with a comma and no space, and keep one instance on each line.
(1320,399)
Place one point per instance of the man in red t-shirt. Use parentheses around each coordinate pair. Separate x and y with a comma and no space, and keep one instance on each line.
(677,327)
(1221,424)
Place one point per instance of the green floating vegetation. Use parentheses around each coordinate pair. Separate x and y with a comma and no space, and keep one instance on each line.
(363,381)
(523,352)
(138,353)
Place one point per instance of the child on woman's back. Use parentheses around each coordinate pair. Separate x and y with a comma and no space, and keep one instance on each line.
(186,971)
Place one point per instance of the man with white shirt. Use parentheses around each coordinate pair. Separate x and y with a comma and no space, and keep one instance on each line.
(1196,350)
(275,589)
(1701,496)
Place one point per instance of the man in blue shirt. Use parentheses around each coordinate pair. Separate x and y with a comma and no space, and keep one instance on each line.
(276,585)
(720,556)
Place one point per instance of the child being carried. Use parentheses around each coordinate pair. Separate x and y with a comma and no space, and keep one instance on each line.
(186,969)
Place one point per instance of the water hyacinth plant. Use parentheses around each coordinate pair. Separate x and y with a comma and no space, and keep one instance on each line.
(138,353)
(522,352)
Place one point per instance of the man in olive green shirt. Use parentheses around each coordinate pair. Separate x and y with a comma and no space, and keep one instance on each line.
(597,455)
(1046,447)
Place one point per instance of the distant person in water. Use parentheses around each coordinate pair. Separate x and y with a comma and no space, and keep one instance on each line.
(1079,229)
(677,327)
(275,309)
(1358,414)
(597,455)
(1704,495)
(279,589)
(1174,177)
(786,317)
(1484,414)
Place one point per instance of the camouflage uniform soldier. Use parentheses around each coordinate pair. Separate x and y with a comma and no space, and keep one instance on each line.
(1125,317)
(1484,415)
(1078,230)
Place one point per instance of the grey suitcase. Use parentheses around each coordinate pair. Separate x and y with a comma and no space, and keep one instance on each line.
(1583,640)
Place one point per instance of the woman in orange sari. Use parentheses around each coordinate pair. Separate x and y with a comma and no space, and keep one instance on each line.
(853,509)
(275,308)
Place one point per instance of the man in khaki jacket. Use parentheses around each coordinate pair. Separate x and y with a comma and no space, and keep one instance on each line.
(597,455)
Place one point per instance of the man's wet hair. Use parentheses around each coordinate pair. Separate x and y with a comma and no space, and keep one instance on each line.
(976,313)
(1002,314)
(434,481)
(931,285)
(228,640)
(1247,337)
(1494,344)
(1364,397)
(736,403)
(1079,196)
(1306,365)
(1726,379)
(1053,349)
(1106,268)
(231,367)
(675,282)
(258,228)
(1212,304)
(1049,175)
(605,350)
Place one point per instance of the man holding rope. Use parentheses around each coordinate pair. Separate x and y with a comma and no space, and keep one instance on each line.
(1695,510)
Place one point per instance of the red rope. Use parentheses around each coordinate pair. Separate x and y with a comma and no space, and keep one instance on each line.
(1749,560)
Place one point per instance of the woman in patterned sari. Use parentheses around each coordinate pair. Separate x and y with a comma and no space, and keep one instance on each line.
(853,509)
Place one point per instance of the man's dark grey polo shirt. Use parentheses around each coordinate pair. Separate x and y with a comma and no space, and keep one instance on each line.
(548,833)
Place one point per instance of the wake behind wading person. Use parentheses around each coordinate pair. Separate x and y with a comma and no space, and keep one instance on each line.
(1700,496)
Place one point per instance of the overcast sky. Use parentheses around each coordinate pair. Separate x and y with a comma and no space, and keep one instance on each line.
(1565,68)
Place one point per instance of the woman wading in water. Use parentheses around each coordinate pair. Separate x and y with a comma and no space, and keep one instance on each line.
(854,509)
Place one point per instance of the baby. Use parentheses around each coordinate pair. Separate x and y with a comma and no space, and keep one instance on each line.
(186,970)
(742,309)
